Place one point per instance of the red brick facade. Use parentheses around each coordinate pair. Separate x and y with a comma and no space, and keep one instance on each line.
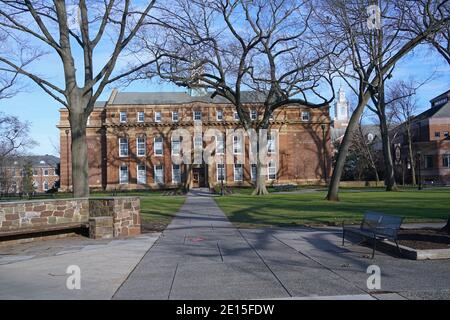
(431,142)
(304,155)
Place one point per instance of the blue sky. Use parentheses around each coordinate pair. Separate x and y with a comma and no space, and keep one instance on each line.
(41,110)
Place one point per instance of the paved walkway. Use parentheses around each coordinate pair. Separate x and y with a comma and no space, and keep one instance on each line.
(202,256)
(37,270)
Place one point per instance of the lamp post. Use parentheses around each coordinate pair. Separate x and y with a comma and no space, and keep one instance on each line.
(419,169)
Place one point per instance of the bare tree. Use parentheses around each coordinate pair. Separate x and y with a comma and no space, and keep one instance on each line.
(372,52)
(227,47)
(67,29)
(14,136)
(402,110)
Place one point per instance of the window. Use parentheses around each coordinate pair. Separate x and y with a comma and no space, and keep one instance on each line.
(272,170)
(35,172)
(123,147)
(158,146)
(159,174)
(140,141)
(141,174)
(253,172)
(197,115)
(176,143)
(123,116)
(429,161)
(123,174)
(140,116)
(446,134)
(219,115)
(219,144)
(253,114)
(271,143)
(45,172)
(446,160)
(237,145)
(45,185)
(306,116)
(198,142)
(176,173)
(437,134)
(271,116)
(236,116)
(174,116)
(157,116)
(220,172)
(238,172)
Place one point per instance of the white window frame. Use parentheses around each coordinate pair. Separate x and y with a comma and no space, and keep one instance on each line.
(308,116)
(237,140)
(237,165)
(194,116)
(271,143)
(155,175)
(444,157)
(219,112)
(218,170)
(253,174)
(253,114)
(269,167)
(162,146)
(123,116)
(158,116)
(172,147)
(178,180)
(45,172)
(43,185)
(120,174)
(144,149)
(120,147)
(139,178)
(236,116)
(222,149)
(177,116)
(197,139)
(138,116)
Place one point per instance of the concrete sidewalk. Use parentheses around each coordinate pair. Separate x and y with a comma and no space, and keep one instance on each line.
(202,256)
(38,270)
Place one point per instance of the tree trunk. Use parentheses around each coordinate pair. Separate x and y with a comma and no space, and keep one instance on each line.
(411,156)
(388,161)
(333,189)
(260,188)
(80,169)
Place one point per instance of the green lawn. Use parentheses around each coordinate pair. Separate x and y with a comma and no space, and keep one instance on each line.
(311,209)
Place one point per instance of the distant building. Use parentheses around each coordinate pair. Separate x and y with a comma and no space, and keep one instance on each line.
(44,171)
(130,143)
(430,141)
(341,111)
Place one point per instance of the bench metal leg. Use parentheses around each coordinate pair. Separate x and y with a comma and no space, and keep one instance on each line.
(343,237)
(398,248)
(374,246)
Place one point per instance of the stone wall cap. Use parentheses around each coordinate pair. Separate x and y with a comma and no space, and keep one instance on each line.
(65,199)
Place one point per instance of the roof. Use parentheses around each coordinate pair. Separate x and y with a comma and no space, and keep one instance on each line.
(35,161)
(442,111)
(158,98)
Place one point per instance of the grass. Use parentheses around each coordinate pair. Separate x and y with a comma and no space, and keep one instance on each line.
(274,209)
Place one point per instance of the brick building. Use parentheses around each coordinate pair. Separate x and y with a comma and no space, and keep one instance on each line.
(430,141)
(130,142)
(44,173)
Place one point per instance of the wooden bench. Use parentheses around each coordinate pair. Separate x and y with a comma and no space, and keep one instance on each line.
(375,226)
(41,231)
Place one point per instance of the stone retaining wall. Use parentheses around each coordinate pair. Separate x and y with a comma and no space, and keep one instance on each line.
(125,213)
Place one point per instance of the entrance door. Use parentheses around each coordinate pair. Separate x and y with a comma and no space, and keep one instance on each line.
(198,177)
